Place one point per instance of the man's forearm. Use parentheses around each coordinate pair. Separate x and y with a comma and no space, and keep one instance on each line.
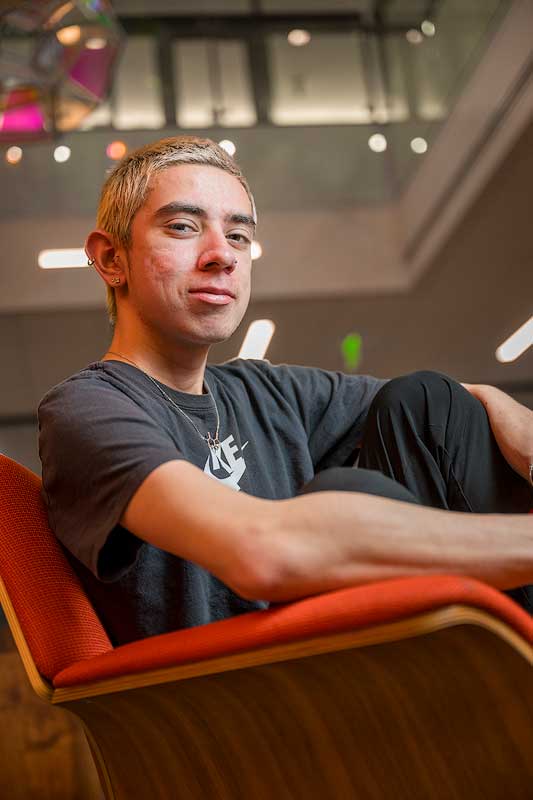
(330,540)
(282,550)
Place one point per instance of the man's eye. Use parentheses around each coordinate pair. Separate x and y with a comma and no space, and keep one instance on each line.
(240,238)
(181,227)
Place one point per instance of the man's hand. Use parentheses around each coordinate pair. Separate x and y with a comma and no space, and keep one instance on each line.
(511,424)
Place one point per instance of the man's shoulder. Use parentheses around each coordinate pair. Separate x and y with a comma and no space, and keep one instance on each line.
(262,370)
(251,374)
(88,385)
(240,367)
(250,369)
(93,373)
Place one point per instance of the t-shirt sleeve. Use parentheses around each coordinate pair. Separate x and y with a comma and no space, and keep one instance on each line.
(97,446)
(333,407)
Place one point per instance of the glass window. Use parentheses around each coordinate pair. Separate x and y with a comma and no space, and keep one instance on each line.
(212,83)
(322,83)
(137,101)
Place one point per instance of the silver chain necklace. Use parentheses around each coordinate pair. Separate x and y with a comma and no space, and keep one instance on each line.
(212,443)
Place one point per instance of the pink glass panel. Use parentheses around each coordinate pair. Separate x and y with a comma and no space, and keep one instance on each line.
(25,118)
(92,71)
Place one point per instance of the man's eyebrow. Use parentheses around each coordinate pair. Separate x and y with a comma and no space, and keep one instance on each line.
(176,208)
(189,208)
(242,219)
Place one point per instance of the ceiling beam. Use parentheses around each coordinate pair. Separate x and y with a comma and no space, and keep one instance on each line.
(237,26)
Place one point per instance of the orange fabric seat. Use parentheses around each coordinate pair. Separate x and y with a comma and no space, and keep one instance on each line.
(58,621)
(333,612)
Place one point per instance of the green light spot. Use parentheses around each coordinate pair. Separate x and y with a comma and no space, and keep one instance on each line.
(351,350)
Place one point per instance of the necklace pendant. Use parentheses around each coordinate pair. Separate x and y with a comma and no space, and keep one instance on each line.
(213,444)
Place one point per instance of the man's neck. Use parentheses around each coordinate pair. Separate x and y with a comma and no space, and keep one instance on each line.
(179,367)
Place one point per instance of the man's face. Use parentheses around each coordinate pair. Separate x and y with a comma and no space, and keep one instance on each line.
(190,255)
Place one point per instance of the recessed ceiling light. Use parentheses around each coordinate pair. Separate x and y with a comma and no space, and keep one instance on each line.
(57,15)
(13,154)
(377,143)
(116,150)
(419,145)
(62,153)
(414,36)
(257,339)
(69,35)
(228,146)
(298,37)
(96,43)
(517,343)
(257,251)
(62,258)
(428,28)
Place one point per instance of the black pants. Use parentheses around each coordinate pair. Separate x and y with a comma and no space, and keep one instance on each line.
(428,441)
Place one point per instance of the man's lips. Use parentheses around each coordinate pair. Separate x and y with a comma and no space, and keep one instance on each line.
(213,294)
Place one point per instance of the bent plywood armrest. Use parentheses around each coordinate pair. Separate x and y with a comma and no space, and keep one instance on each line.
(416,687)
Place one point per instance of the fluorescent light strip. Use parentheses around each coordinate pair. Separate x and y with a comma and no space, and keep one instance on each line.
(516,344)
(257,339)
(64,258)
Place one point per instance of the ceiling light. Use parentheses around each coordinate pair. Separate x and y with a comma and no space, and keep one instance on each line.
(298,37)
(96,43)
(13,154)
(57,15)
(116,150)
(257,339)
(257,251)
(516,344)
(428,28)
(414,37)
(228,146)
(69,35)
(64,258)
(62,153)
(377,143)
(419,145)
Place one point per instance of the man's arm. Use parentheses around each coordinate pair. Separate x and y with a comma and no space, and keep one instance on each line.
(286,549)
(511,424)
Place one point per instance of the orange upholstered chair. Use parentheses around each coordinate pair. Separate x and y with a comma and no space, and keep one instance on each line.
(413,688)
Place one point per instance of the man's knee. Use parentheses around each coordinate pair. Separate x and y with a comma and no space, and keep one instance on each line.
(418,389)
(355,479)
(413,387)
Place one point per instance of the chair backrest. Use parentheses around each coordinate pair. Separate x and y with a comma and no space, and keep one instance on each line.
(58,621)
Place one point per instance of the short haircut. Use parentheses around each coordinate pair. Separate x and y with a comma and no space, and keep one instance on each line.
(126,188)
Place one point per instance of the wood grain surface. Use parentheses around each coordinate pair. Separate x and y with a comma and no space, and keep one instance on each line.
(444,716)
(43,751)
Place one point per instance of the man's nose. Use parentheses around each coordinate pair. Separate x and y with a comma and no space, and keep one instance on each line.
(221,257)
(217,253)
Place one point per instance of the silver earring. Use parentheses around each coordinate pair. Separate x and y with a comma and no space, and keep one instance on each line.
(90,262)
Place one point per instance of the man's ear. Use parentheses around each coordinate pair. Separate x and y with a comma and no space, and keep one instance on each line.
(104,256)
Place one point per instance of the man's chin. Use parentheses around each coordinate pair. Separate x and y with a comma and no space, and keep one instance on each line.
(214,335)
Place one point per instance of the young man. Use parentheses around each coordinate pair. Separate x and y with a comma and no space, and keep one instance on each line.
(143,450)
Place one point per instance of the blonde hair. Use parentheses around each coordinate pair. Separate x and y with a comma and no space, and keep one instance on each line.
(126,188)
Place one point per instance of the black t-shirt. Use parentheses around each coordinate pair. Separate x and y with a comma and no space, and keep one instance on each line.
(106,428)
